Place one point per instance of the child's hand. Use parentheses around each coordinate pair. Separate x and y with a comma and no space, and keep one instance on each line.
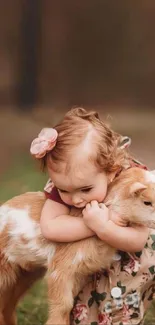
(95,215)
(118,220)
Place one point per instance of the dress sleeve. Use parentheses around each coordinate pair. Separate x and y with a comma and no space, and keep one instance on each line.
(52,193)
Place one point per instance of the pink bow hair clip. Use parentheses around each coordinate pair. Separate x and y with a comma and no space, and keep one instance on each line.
(45,142)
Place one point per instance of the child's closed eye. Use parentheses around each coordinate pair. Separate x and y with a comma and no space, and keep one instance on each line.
(86,190)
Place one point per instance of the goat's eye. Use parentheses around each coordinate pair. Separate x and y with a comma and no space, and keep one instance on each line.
(148,203)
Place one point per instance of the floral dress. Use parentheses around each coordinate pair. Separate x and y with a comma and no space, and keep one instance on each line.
(120,295)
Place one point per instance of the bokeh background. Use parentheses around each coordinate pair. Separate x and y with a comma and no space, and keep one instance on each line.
(57,54)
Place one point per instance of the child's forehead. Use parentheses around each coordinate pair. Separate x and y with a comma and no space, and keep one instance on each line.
(74,178)
(78,171)
(81,168)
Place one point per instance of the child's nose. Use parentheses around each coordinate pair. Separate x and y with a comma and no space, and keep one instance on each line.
(76,199)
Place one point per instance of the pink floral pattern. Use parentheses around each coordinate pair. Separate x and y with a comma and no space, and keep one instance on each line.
(132,266)
(80,312)
(135,275)
(104,319)
(126,313)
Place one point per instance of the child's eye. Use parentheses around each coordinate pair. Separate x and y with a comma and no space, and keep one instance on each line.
(148,203)
(86,190)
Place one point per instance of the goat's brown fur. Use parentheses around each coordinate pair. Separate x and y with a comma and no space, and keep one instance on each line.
(24,256)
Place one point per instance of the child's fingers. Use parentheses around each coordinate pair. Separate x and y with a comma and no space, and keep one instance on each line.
(102,205)
(94,204)
(87,206)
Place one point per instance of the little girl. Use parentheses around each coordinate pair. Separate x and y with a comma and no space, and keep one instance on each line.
(82,156)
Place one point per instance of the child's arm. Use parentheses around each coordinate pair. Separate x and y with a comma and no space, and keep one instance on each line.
(128,239)
(58,225)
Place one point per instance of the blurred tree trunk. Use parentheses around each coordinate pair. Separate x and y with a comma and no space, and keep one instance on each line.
(29,50)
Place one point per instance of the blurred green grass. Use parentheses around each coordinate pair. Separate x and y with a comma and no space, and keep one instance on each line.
(22,176)
(32,310)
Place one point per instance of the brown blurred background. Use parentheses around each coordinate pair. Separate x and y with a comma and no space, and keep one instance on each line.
(55,54)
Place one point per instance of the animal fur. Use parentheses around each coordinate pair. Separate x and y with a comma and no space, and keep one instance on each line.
(25,255)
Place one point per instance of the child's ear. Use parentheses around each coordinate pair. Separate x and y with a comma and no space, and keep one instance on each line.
(136,188)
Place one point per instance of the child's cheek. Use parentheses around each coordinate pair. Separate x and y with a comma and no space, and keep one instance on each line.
(66,199)
(101,196)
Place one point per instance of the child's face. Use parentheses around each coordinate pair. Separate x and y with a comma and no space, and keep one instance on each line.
(80,185)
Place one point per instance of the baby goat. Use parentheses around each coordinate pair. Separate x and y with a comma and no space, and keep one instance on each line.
(25,255)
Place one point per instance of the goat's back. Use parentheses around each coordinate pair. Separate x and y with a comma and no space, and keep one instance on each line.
(34,201)
(21,240)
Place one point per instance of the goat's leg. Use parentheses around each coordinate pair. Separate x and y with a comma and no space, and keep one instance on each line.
(60,298)
(8,277)
(5,298)
(2,320)
(24,281)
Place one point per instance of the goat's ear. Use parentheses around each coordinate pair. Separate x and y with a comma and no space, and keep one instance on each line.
(137,188)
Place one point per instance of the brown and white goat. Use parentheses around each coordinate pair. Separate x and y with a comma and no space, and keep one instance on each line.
(25,255)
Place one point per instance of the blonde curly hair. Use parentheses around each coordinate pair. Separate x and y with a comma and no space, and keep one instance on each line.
(106,153)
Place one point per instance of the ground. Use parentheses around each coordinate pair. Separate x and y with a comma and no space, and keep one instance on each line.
(19,173)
